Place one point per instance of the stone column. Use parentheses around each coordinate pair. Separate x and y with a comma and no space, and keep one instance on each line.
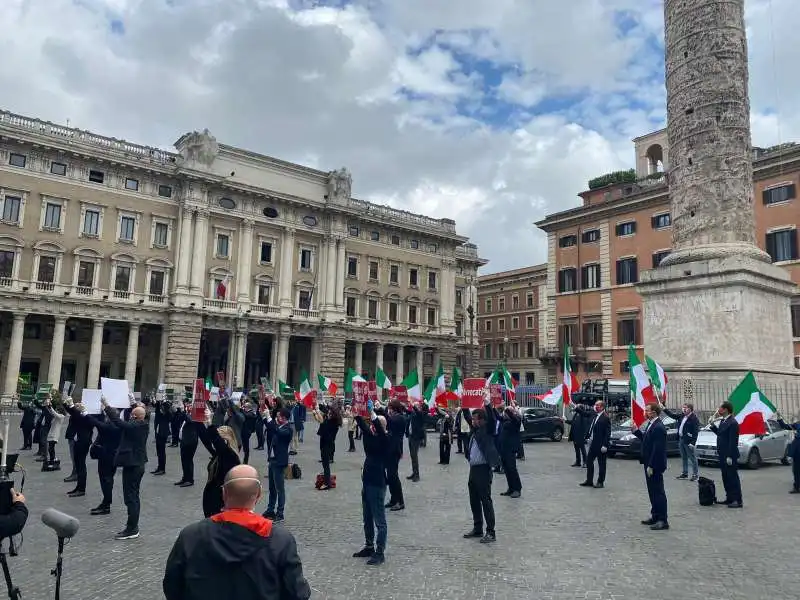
(330,273)
(132,356)
(341,271)
(244,275)
(378,357)
(184,332)
(199,254)
(419,355)
(399,375)
(273,362)
(359,366)
(314,366)
(283,356)
(287,267)
(437,356)
(14,355)
(184,251)
(162,355)
(241,358)
(95,355)
(57,352)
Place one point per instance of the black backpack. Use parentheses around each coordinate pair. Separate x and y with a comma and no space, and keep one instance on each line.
(706,491)
(296,472)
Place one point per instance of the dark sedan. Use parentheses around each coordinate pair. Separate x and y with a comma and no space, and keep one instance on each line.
(541,423)
(625,443)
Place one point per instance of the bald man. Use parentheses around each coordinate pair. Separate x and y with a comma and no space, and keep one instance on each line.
(131,456)
(237,553)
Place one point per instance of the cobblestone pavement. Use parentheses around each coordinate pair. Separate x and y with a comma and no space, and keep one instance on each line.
(558,542)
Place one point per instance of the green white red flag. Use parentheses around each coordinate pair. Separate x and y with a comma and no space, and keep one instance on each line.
(751,408)
(455,383)
(658,377)
(350,378)
(642,392)
(411,383)
(383,380)
(571,384)
(306,389)
(327,385)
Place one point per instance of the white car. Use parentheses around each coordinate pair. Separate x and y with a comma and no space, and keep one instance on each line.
(753,449)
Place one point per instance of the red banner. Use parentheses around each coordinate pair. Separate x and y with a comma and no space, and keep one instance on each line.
(372,392)
(199,401)
(360,399)
(474,390)
(400,392)
(496,394)
(310,401)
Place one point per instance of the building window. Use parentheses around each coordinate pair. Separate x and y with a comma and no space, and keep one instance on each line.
(165,191)
(593,335)
(661,221)
(11,209)
(52,216)
(393,310)
(47,269)
(350,306)
(395,240)
(304,300)
(624,367)
(160,235)
(57,168)
(86,270)
(782,193)
(459,297)
(413,278)
(488,305)
(795,313)
(305,259)
(529,350)
(501,304)
(394,274)
(658,257)
(567,280)
(514,323)
(352,267)
(156,283)
(373,270)
(628,332)
(459,328)
(375,236)
(782,245)
(591,236)
(567,241)
(487,351)
(431,316)
(501,324)
(96,176)
(353,230)
(628,228)
(91,223)
(590,277)
(432,281)
(372,311)
(568,334)
(414,244)
(487,325)
(6,264)
(529,322)
(515,350)
(265,253)
(127,229)
(412,315)
(263,294)
(433,248)
(131,184)
(17,160)
(122,279)
(529,300)
(514,302)
(223,245)
(627,271)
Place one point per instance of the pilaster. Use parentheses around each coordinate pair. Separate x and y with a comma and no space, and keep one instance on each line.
(199,253)
(552,317)
(57,352)
(331,348)
(183,349)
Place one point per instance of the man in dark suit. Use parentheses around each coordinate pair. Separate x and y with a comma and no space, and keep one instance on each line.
(482,456)
(688,428)
(727,432)
(598,437)
(416,435)
(578,426)
(278,461)
(654,459)
(510,420)
(396,425)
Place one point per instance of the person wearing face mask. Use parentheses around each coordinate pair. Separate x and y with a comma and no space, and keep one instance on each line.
(278,461)
(793,451)
(654,459)
(598,437)
(727,433)
(687,437)
(83,428)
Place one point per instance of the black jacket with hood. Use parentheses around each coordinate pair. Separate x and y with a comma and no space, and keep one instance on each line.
(235,554)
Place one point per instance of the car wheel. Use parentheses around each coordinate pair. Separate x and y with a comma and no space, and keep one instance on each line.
(754,459)
(786,460)
(557,435)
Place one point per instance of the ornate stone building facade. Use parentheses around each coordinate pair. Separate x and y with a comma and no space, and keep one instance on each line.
(128,261)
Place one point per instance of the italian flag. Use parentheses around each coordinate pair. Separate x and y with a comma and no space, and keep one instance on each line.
(751,407)
(306,388)
(209,385)
(383,380)
(348,381)
(571,384)
(554,396)
(501,376)
(642,392)
(411,383)
(327,384)
(658,377)
(455,383)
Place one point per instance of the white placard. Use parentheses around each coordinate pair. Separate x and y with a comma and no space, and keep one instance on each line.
(116,392)
(236,398)
(91,401)
(213,394)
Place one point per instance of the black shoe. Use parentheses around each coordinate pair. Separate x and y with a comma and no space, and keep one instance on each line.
(186,484)
(794,491)
(181,482)
(598,486)
(723,501)
(278,519)
(475,533)
(100,510)
(410,477)
(515,494)
(365,552)
(71,479)
(506,493)
(126,534)
(397,507)
(76,493)
(736,505)
(659,526)
(683,476)
(489,538)
(158,472)
(575,465)
(586,484)
(377,558)
(390,505)
(415,479)
(649,521)
(268,514)
(693,478)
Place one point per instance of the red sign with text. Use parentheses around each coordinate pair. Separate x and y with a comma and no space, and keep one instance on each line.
(360,399)
(199,401)
(474,390)
(496,394)
(400,392)
(372,392)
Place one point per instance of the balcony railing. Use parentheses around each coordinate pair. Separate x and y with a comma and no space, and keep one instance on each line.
(305,313)
(265,309)
(220,304)
(45,286)
(6,281)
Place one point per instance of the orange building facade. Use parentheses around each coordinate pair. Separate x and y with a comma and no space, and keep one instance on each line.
(597,251)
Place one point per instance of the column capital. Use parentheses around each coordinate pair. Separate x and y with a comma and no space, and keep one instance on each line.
(290,231)
(203,213)
(18,315)
(99,322)
(248,223)
(134,326)
(60,318)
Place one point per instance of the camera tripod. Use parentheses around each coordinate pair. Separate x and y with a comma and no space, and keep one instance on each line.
(14,593)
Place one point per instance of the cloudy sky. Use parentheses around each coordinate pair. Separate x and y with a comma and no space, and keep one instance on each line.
(490,112)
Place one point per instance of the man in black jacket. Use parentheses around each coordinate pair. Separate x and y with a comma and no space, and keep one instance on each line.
(14,522)
(103,450)
(482,456)
(416,435)
(396,425)
(132,457)
(278,461)
(190,437)
(237,553)
(653,457)
(27,424)
(161,429)
(578,426)
(83,429)
(70,435)
(510,420)
(598,438)
(727,433)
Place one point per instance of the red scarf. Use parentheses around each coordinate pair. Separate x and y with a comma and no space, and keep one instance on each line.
(245,518)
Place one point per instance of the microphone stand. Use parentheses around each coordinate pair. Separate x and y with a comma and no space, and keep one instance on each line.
(59,569)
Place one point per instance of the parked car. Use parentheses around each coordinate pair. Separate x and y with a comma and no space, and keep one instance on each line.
(541,423)
(625,443)
(754,450)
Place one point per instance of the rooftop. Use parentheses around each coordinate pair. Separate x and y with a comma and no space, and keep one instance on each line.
(521,274)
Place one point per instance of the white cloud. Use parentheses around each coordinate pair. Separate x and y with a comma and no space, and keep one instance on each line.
(513,105)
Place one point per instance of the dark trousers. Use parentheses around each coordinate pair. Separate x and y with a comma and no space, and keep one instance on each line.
(326,470)
(71,445)
(479,485)
(796,472)
(658,496)
(260,434)
(277,489)
(246,446)
(27,437)
(444,450)
(187,460)
(351,437)
(80,452)
(131,482)
(601,459)
(374,512)
(161,452)
(461,440)
(175,430)
(521,450)
(730,481)
(413,451)
(580,453)
(105,473)
(393,480)
(51,450)
(509,460)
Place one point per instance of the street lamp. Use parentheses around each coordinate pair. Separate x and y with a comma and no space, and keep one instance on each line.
(471,315)
(505,350)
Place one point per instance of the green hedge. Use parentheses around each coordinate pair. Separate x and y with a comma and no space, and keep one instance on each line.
(628,176)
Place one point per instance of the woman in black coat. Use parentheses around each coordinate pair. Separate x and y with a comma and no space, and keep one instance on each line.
(329,425)
(223,443)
